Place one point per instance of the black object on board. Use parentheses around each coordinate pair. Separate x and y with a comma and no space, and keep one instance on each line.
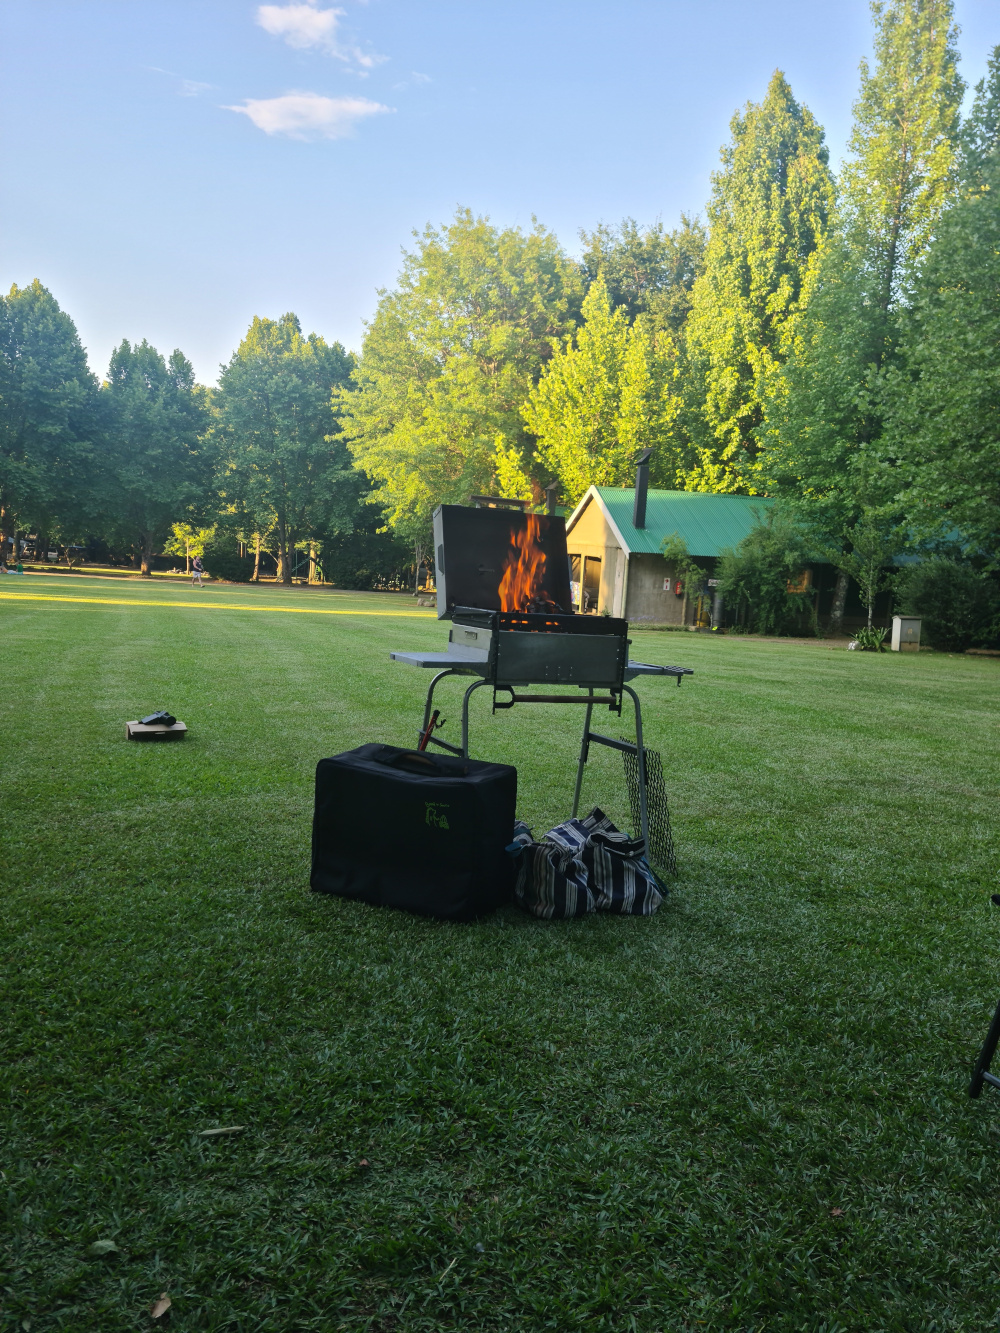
(424,832)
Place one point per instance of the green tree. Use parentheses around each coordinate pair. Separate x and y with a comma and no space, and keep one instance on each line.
(943,397)
(49,423)
(647,270)
(903,170)
(187,540)
(448,361)
(755,578)
(769,212)
(980,134)
(602,397)
(158,470)
(875,540)
(282,464)
(825,413)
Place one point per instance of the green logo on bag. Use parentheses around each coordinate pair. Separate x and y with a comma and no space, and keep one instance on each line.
(435,816)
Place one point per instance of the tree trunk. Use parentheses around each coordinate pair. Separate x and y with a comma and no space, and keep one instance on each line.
(836,625)
(284,563)
(313,578)
(255,577)
(418,560)
(147,555)
(187,555)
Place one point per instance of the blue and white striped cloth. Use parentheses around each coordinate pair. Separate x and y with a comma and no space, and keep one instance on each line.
(584,865)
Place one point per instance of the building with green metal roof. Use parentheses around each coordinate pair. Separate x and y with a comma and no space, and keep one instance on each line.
(615,541)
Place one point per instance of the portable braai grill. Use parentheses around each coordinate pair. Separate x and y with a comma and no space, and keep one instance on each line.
(503,581)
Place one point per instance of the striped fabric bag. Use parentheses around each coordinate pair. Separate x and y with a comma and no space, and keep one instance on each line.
(584,865)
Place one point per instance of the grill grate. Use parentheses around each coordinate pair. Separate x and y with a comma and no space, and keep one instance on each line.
(660,852)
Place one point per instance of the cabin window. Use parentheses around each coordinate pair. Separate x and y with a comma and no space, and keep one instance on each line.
(591,584)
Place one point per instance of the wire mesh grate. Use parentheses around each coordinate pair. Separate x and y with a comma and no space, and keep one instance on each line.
(660,852)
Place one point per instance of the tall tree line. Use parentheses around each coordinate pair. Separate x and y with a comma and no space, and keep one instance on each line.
(827,337)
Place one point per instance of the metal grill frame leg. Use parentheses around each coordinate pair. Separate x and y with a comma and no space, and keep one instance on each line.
(476,685)
(584,753)
(981,1073)
(442,745)
(640,753)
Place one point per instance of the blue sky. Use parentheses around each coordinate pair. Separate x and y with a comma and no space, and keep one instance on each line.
(174,167)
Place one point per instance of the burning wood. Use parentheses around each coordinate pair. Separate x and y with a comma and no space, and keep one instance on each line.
(522,584)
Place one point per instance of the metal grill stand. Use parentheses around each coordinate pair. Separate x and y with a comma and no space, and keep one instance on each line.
(483,663)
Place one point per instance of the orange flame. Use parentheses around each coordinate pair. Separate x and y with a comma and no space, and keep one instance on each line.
(525,568)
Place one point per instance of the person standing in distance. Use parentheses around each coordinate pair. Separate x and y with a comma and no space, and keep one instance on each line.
(197,569)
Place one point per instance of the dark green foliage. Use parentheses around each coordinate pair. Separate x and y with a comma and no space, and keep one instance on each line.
(647,270)
(49,421)
(960,605)
(158,469)
(222,558)
(980,137)
(826,411)
(754,578)
(747,1112)
(944,432)
(283,467)
(365,558)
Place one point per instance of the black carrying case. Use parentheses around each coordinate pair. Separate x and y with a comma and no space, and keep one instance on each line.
(425,832)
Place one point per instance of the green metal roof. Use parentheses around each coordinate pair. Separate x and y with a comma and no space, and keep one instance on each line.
(708,523)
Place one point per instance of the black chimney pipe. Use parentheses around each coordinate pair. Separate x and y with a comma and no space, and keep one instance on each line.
(551,497)
(641,489)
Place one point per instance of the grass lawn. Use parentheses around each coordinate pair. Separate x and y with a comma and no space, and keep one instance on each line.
(746,1113)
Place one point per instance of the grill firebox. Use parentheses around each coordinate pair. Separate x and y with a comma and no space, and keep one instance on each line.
(531,648)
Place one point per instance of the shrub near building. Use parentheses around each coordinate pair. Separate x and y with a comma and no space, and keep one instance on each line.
(959,604)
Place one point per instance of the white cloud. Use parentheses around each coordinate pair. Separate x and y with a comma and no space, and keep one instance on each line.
(309,115)
(302,26)
(307,27)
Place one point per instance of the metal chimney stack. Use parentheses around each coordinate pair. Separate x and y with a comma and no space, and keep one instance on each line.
(641,489)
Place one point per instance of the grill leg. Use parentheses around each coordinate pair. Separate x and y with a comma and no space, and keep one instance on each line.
(641,759)
(981,1072)
(476,685)
(430,696)
(584,752)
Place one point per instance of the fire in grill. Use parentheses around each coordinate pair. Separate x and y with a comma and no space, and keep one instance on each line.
(500,560)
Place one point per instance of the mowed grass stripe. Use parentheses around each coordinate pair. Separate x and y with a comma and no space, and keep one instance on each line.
(210,606)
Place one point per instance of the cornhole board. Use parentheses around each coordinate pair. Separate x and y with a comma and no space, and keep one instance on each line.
(136,731)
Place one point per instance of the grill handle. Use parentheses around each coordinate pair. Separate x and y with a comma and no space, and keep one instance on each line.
(418,761)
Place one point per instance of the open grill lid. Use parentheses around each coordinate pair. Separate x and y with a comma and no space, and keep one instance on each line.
(500,560)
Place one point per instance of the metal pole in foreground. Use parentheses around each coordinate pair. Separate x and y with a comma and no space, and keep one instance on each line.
(584,751)
(981,1074)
